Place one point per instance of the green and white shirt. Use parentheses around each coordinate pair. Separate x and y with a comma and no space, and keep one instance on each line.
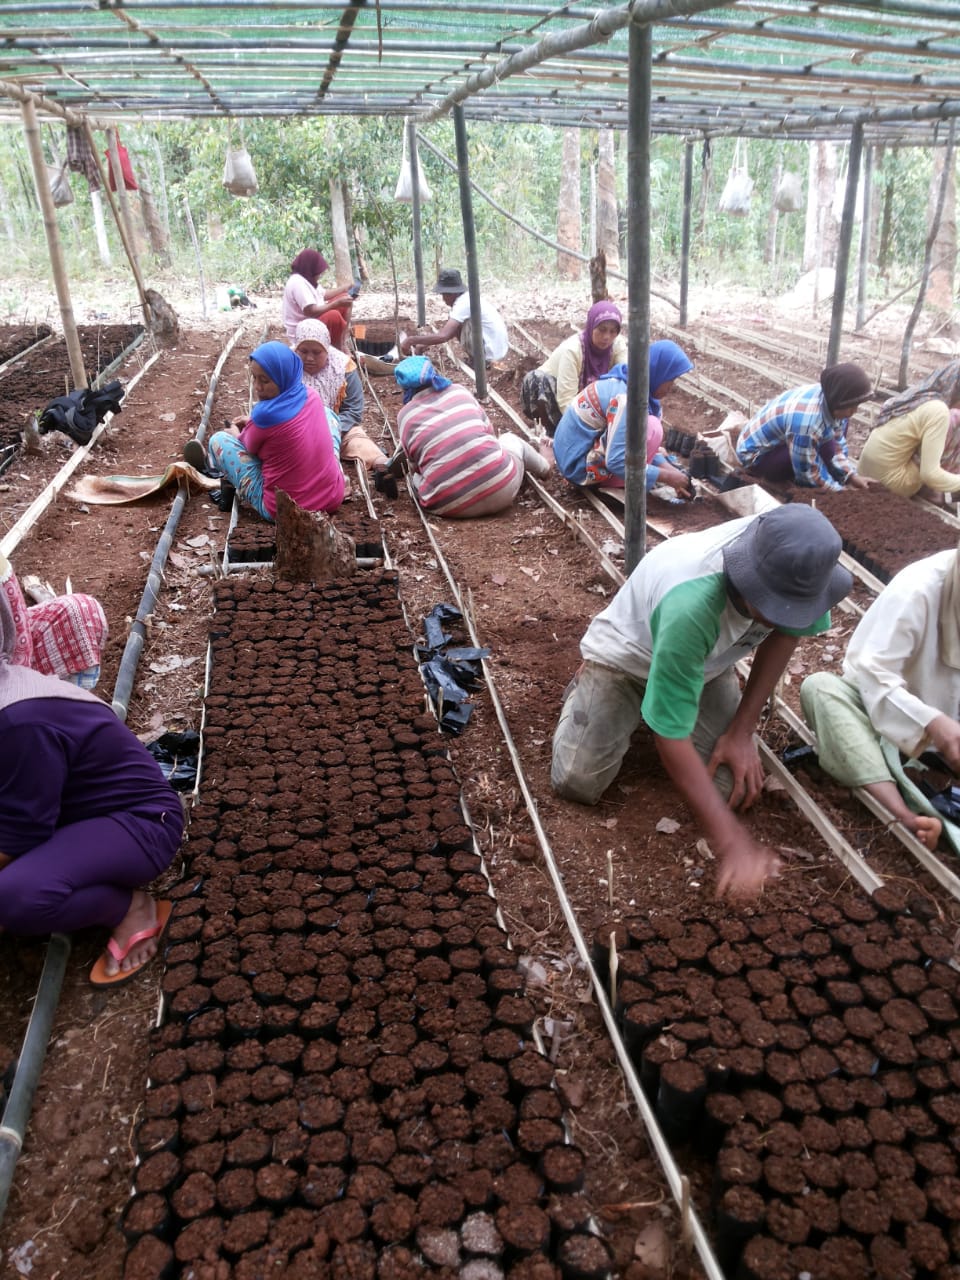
(673,626)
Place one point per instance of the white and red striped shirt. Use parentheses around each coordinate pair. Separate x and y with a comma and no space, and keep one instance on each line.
(454,451)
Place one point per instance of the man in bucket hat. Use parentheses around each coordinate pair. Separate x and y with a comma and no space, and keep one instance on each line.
(663,654)
(454,292)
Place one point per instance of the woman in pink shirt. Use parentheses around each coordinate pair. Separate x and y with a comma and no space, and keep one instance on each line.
(286,442)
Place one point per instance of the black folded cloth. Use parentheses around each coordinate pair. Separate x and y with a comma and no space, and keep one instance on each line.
(78,413)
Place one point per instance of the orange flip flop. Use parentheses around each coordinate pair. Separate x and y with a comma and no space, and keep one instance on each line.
(98,974)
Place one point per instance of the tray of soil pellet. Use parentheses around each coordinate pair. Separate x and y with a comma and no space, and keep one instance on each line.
(15,338)
(880,529)
(342,1080)
(41,375)
(813,1059)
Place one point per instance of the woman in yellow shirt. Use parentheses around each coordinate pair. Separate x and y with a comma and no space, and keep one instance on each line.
(916,441)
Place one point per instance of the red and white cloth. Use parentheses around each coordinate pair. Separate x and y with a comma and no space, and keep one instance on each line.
(60,637)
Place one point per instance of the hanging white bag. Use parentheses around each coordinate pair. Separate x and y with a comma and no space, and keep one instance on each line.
(59,184)
(788,197)
(738,189)
(239,177)
(404,191)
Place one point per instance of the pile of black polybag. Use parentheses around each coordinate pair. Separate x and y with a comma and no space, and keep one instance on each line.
(451,673)
(78,413)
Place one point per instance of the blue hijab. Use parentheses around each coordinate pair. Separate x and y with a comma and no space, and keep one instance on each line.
(667,361)
(286,369)
(415,374)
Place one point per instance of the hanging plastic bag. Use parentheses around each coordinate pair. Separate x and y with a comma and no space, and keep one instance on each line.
(126,169)
(59,184)
(404,191)
(738,189)
(788,197)
(239,177)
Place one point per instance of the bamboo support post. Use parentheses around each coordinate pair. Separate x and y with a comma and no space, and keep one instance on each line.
(121,229)
(48,210)
(638,312)
(113,145)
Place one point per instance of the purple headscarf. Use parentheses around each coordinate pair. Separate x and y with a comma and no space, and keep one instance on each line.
(309,263)
(596,364)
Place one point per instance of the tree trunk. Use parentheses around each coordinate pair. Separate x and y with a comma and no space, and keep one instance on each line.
(773,216)
(99,227)
(353,241)
(820,232)
(309,548)
(5,214)
(706,181)
(608,236)
(159,241)
(886,224)
(598,277)
(569,221)
(342,266)
(944,256)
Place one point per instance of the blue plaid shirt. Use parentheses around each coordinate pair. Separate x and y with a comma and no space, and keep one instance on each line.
(802,421)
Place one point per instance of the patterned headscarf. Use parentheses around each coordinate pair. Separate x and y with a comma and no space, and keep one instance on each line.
(667,361)
(416,373)
(944,384)
(309,263)
(18,682)
(286,369)
(596,364)
(328,383)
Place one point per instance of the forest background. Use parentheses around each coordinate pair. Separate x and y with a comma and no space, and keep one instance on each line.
(341,173)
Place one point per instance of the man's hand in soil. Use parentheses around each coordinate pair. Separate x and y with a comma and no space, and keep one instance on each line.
(944,733)
(739,753)
(745,866)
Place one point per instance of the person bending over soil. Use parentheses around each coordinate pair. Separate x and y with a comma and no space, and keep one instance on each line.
(86,817)
(459,466)
(663,654)
(900,688)
(582,358)
(916,442)
(285,444)
(590,444)
(800,437)
(454,292)
(62,636)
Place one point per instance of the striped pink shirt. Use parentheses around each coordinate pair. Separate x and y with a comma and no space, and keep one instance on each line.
(452,446)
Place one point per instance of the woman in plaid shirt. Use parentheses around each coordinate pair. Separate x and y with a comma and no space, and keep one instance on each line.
(801,435)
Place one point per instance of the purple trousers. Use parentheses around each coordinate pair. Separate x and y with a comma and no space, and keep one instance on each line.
(775,465)
(85,873)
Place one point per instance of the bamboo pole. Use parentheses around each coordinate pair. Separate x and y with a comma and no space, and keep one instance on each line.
(417,228)
(685,231)
(478,355)
(638,287)
(866,218)
(128,249)
(843,246)
(61,284)
(113,144)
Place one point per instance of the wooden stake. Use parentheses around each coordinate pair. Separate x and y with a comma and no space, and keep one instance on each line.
(614,966)
(47,208)
(127,244)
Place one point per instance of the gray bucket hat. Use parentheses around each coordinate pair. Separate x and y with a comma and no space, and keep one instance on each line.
(450,281)
(785,566)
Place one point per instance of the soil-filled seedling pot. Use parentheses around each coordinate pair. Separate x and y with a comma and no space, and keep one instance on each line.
(680,1097)
(738,1216)
(584,1257)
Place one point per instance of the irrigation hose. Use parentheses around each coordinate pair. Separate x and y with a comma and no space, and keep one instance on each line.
(138,632)
(17,1111)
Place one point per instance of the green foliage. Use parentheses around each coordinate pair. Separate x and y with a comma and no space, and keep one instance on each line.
(254,239)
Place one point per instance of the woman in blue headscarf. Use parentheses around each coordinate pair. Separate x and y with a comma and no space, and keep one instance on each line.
(284,444)
(590,442)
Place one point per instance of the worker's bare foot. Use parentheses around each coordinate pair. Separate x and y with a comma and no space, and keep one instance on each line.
(545,446)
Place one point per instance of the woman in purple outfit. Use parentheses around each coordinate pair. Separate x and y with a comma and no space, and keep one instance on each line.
(86,818)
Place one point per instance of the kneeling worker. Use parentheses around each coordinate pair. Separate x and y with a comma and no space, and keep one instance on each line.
(900,685)
(663,653)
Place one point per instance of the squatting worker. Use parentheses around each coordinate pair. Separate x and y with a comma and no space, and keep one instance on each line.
(900,688)
(800,437)
(455,294)
(663,654)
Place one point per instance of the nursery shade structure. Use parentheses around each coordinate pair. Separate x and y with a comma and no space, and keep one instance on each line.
(747,68)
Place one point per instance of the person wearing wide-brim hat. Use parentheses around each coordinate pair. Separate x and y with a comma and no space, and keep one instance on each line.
(455,294)
(800,436)
(663,654)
